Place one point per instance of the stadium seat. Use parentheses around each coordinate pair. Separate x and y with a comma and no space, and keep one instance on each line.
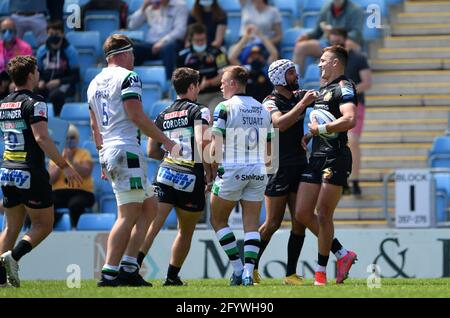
(63,223)
(289,12)
(105,187)
(89,75)
(103,21)
(4,8)
(154,83)
(134,34)
(442,190)
(152,168)
(190,4)
(50,110)
(88,46)
(30,39)
(230,5)
(96,175)
(134,5)
(288,41)
(311,10)
(312,77)
(2,219)
(379,3)
(439,155)
(158,107)
(78,114)
(96,222)
(89,145)
(234,26)
(108,204)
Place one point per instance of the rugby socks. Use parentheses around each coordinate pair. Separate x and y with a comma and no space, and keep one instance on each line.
(295,245)
(2,275)
(22,248)
(129,264)
(140,258)
(337,249)
(172,272)
(262,248)
(251,249)
(110,272)
(322,263)
(228,242)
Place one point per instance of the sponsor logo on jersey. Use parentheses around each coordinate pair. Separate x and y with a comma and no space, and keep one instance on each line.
(10,105)
(327,97)
(19,124)
(178,180)
(177,114)
(10,114)
(252,110)
(15,178)
(175,123)
(40,109)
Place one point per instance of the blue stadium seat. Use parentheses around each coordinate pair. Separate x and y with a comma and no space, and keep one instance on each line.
(439,155)
(288,41)
(152,168)
(89,145)
(50,110)
(442,191)
(105,187)
(103,21)
(154,83)
(2,219)
(171,221)
(234,25)
(78,114)
(30,39)
(312,77)
(190,4)
(311,10)
(96,175)
(381,4)
(134,5)
(88,46)
(289,12)
(108,204)
(63,223)
(158,107)
(89,75)
(96,222)
(134,34)
(230,5)
(4,8)
(262,216)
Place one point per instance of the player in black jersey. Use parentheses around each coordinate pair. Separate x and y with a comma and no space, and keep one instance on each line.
(23,175)
(330,162)
(182,182)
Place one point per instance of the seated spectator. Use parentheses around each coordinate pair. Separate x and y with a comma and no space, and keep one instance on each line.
(58,66)
(206,59)
(114,5)
(167,21)
(209,13)
(75,199)
(267,19)
(255,52)
(338,13)
(30,15)
(10,46)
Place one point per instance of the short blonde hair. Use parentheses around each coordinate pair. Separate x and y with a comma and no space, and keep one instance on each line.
(73,130)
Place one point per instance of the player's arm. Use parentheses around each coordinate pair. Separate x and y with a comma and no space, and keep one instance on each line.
(284,121)
(133,108)
(95,131)
(154,150)
(346,122)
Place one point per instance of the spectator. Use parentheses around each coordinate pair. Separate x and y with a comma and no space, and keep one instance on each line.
(167,20)
(359,72)
(55,9)
(10,46)
(76,199)
(267,19)
(58,65)
(30,15)
(206,59)
(115,5)
(209,13)
(338,13)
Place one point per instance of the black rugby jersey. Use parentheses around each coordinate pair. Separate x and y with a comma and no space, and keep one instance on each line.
(177,122)
(290,150)
(332,96)
(18,111)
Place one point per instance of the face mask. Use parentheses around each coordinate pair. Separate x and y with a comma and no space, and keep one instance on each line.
(71,143)
(206,3)
(8,35)
(199,48)
(54,39)
(256,65)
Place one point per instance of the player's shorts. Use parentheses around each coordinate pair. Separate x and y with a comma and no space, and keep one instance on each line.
(29,187)
(241,183)
(183,189)
(332,169)
(284,181)
(125,167)
(360,112)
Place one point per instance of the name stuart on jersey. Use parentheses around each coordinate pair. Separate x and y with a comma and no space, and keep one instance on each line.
(252,121)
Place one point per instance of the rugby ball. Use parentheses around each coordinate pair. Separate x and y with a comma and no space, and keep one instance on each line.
(323,117)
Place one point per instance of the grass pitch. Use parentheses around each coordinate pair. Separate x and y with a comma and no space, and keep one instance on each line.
(218,288)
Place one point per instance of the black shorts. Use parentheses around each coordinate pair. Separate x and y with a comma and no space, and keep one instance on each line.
(332,169)
(185,190)
(29,187)
(284,181)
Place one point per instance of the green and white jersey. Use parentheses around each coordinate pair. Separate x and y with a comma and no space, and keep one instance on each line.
(106,94)
(246,127)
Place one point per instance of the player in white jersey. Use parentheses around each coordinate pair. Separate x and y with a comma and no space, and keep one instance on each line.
(244,128)
(116,112)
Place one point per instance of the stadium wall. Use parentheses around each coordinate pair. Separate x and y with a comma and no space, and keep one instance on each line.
(398,253)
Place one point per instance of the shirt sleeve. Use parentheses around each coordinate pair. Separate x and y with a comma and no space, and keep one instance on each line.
(220,119)
(131,87)
(348,94)
(271,106)
(204,115)
(38,112)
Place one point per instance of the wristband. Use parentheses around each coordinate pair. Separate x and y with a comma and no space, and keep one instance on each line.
(322,129)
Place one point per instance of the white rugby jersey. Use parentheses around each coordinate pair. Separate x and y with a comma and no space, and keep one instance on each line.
(246,127)
(106,94)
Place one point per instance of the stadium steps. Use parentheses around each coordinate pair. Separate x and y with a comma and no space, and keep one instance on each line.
(414,53)
(422,17)
(388,77)
(420,29)
(422,41)
(426,6)
(408,100)
(410,64)
(409,88)
(405,112)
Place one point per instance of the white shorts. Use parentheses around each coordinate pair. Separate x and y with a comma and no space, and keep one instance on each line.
(241,183)
(125,167)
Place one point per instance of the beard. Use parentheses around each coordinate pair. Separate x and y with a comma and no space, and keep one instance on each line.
(292,86)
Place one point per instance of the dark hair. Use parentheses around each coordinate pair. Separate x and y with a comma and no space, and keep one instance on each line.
(196,28)
(239,74)
(183,77)
(340,53)
(217,12)
(115,42)
(19,68)
(56,25)
(339,32)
